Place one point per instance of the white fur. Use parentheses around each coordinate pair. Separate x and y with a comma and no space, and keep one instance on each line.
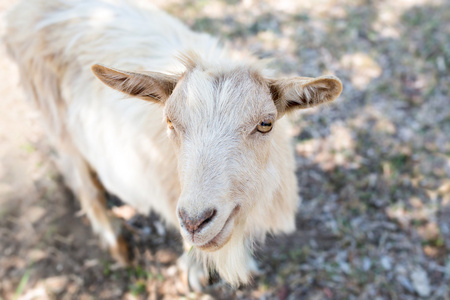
(212,158)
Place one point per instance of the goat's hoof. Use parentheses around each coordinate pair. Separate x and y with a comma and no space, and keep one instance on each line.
(197,277)
(193,273)
(121,252)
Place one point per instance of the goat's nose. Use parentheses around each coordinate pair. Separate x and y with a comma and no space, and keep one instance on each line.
(195,223)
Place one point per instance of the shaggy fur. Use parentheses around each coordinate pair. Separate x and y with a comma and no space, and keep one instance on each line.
(211,158)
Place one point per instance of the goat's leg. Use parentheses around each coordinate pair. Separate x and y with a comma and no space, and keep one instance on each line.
(91,194)
(93,202)
(194,273)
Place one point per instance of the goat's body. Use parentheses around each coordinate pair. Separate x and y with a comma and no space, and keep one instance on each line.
(110,132)
(122,140)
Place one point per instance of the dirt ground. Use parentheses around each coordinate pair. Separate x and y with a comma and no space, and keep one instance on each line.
(373,169)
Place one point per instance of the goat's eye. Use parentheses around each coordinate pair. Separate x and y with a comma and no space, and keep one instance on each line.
(265,126)
(169,123)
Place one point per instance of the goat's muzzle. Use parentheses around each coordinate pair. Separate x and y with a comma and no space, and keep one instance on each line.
(194,224)
(208,230)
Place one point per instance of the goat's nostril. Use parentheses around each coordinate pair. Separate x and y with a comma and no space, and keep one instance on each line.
(195,223)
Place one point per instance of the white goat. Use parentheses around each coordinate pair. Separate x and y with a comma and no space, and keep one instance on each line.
(207,149)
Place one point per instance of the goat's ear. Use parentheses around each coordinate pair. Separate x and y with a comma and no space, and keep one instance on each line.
(303,92)
(151,86)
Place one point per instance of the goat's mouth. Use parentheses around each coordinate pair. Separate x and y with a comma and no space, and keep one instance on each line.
(224,234)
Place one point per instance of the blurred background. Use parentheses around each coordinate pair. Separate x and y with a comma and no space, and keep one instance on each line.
(373,168)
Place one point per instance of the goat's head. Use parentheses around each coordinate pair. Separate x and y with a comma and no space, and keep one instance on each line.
(222,121)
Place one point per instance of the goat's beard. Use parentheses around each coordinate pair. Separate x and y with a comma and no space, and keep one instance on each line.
(233,260)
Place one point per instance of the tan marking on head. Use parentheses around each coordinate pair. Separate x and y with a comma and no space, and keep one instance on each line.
(257,77)
(190,59)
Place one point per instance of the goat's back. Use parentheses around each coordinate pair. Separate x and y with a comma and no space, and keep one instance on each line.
(55,43)
(65,38)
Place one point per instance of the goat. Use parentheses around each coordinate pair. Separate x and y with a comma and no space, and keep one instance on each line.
(204,145)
